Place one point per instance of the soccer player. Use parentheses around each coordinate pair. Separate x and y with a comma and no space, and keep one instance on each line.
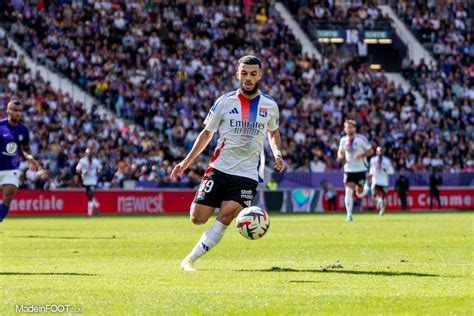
(243,118)
(380,169)
(355,149)
(435,181)
(14,135)
(403,185)
(89,168)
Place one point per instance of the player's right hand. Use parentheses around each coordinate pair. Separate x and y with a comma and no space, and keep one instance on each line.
(179,169)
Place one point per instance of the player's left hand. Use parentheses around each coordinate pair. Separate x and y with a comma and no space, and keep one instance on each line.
(35,163)
(279,164)
(42,173)
(359,156)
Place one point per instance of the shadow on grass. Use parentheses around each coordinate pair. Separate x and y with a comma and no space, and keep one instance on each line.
(47,273)
(383,273)
(64,237)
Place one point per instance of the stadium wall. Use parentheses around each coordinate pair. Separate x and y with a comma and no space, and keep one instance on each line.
(74,202)
(290,180)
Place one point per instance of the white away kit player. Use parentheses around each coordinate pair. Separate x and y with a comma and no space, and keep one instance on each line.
(354,149)
(380,169)
(89,167)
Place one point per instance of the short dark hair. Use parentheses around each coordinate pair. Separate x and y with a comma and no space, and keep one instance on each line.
(351,122)
(13,103)
(250,60)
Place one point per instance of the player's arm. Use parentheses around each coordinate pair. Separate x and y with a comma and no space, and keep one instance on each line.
(371,172)
(79,167)
(201,142)
(369,152)
(28,156)
(371,168)
(275,144)
(389,168)
(340,151)
(340,154)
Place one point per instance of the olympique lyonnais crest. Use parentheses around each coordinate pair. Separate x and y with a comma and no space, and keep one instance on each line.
(201,196)
(263,112)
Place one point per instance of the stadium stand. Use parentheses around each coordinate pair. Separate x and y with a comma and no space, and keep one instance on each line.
(61,130)
(447,86)
(417,136)
(313,14)
(161,66)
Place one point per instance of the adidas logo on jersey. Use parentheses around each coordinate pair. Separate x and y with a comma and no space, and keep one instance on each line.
(234,111)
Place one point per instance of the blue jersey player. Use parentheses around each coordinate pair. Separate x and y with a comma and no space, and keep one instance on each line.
(14,137)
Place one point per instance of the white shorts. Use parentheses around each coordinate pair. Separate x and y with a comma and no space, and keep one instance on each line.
(10,177)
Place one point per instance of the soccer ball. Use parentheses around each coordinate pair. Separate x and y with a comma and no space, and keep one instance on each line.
(253,222)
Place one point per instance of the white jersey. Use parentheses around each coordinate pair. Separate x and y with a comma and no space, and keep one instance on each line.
(242,126)
(89,170)
(352,147)
(380,169)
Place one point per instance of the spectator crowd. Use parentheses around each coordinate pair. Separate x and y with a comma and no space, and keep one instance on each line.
(161,66)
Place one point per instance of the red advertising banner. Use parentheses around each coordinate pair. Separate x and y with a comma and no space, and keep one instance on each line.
(417,199)
(57,202)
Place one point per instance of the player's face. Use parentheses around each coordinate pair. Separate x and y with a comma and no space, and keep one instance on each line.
(249,76)
(349,129)
(14,113)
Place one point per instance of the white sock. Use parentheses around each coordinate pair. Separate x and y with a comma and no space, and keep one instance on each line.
(95,203)
(209,239)
(349,201)
(90,208)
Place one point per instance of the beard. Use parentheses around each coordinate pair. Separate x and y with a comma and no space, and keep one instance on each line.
(247,91)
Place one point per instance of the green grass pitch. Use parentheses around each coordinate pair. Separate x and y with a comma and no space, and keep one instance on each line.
(307,264)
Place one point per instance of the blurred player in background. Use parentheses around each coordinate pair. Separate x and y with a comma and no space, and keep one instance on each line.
(89,168)
(329,194)
(14,138)
(435,181)
(243,118)
(354,148)
(380,169)
(403,185)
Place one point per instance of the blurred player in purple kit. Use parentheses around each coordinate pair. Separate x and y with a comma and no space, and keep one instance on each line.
(14,139)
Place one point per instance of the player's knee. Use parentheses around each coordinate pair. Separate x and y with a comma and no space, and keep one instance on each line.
(197,220)
(7,198)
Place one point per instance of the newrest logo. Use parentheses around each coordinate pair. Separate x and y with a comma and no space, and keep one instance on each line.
(140,204)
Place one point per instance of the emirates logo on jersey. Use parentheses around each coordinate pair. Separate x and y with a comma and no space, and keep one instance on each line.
(247,128)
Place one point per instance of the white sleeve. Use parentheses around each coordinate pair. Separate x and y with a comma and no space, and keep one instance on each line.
(341,147)
(98,165)
(372,166)
(79,166)
(367,144)
(274,122)
(213,119)
(390,170)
